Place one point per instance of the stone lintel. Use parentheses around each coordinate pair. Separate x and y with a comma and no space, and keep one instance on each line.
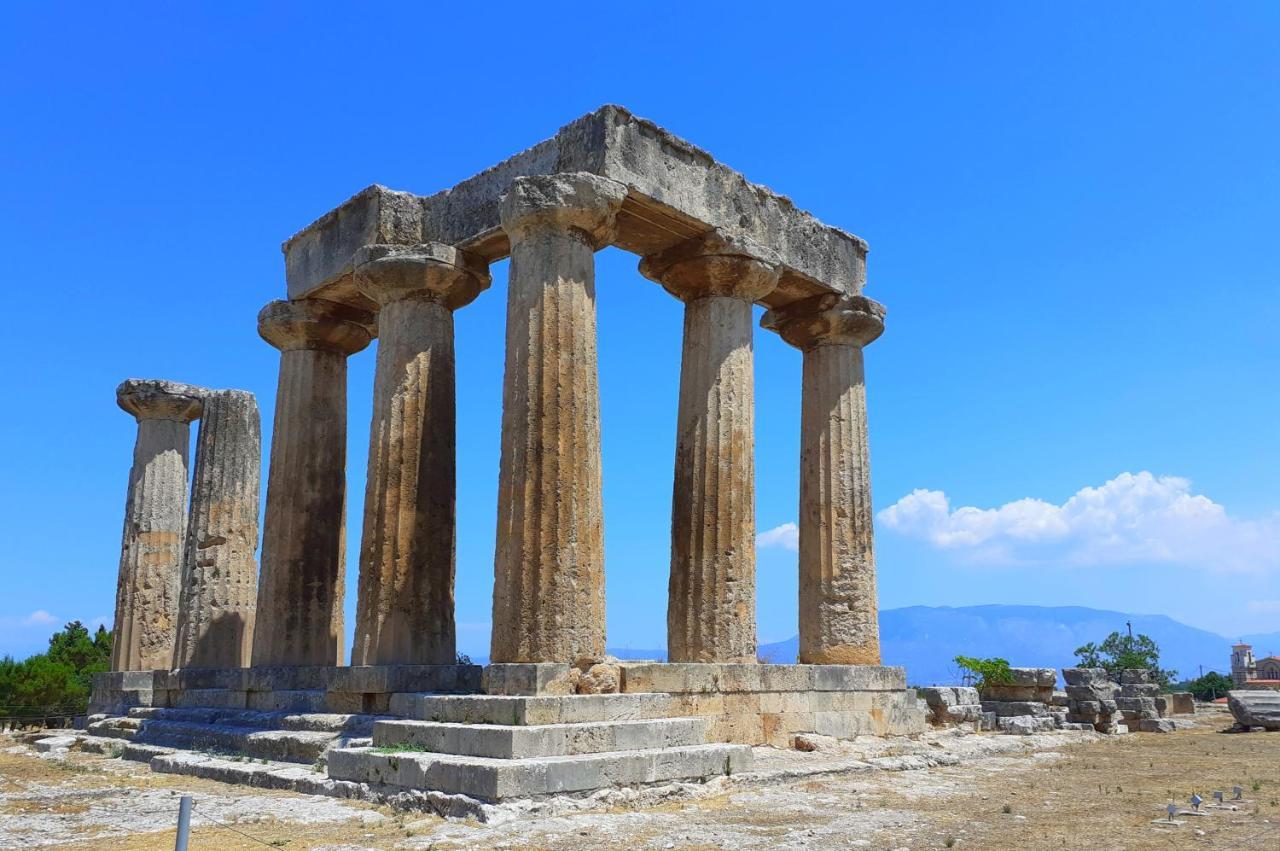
(675,191)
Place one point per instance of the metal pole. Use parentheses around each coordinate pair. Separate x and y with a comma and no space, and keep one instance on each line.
(184,823)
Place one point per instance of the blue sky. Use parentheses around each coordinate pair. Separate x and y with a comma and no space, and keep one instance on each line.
(1071,212)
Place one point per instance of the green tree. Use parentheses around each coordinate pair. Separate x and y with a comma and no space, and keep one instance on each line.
(58,679)
(1209,687)
(990,672)
(1119,652)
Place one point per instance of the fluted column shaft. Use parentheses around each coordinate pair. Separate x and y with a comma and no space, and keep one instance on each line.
(839,617)
(220,572)
(711,603)
(548,598)
(147,590)
(302,582)
(405,611)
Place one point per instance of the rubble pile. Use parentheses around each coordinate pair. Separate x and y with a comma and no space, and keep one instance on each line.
(950,706)
(1141,702)
(1092,700)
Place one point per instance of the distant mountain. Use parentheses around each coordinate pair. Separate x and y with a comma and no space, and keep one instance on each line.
(925,639)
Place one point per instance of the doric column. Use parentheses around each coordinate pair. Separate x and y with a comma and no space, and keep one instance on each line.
(300,591)
(155,520)
(548,594)
(219,573)
(711,603)
(839,619)
(405,612)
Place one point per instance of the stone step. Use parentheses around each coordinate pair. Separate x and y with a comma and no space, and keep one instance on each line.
(530,710)
(115,728)
(352,725)
(496,779)
(269,774)
(108,746)
(501,741)
(145,753)
(303,746)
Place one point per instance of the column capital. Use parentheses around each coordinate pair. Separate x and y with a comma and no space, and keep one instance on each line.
(579,202)
(154,399)
(430,271)
(827,319)
(715,263)
(314,323)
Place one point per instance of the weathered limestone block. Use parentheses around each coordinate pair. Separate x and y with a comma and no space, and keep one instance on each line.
(1182,703)
(711,602)
(548,595)
(1024,725)
(1042,694)
(1255,708)
(950,705)
(600,678)
(1157,725)
(155,521)
(405,611)
(1085,676)
(839,616)
(1011,708)
(220,574)
(301,589)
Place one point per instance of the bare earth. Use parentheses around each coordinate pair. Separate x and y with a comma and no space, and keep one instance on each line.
(1062,790)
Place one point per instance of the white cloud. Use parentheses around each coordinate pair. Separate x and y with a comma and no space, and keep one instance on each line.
(1266,607)
(39,618)
(1134,518)
(786,537)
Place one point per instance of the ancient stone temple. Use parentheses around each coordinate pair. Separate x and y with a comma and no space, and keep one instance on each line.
(550,713)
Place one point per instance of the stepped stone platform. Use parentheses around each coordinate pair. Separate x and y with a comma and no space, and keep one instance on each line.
(501,732)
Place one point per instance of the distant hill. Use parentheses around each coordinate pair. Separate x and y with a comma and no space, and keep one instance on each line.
(925,639)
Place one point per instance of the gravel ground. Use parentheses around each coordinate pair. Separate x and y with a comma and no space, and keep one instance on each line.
(1059,790)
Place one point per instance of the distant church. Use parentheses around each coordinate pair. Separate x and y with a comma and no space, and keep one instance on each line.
(1246,673)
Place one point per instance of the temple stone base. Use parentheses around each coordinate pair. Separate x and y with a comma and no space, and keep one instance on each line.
(357,689)
(769,704)
(509,730)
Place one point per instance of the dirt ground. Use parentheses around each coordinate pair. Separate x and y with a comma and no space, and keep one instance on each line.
(1047,794)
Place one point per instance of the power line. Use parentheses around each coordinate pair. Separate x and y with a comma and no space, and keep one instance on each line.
(226,826)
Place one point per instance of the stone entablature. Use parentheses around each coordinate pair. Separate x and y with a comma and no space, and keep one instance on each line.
(674,191)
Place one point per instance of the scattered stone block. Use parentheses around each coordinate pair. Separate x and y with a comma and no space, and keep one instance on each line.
(1182,703)
(1157,725)
(53,744)
(1085,677)
(1255,708)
